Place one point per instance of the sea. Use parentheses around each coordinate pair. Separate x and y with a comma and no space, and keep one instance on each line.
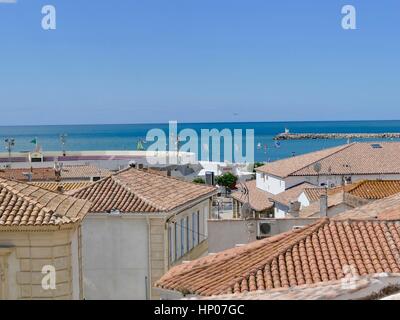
(127,136)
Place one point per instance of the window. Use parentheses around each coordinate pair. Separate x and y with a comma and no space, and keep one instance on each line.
(194,220)
(182,236)
(198,227)
(171,247)
(187,234)
(176,241)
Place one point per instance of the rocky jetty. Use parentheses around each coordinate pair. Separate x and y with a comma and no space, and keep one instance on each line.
(310,136)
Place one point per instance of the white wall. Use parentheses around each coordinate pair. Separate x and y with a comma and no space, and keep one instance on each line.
(196,236)
(269,183)
(303,200)
(115,257)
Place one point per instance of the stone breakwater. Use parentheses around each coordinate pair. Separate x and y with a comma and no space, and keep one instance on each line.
(309,136)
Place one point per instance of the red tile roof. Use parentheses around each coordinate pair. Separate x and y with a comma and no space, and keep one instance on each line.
(317,253)
(354,158)
(386,209)
(291,194)
(134,190)
(258,199)
(25,205)
(38,174)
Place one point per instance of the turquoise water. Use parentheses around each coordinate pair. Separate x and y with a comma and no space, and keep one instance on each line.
(125,136)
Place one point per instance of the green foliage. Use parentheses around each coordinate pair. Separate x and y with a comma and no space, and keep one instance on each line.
(199,180)
(227,180)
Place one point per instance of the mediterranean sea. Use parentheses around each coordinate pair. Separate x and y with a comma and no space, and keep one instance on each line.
(126,136)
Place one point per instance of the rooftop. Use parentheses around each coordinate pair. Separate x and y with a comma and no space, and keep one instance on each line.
(354,158)
(25,205)
(320,252)
(384,209)
(367,189)
(291,194)
(61,186)
(366,287)
(258,199)
(141,191)
(48,174)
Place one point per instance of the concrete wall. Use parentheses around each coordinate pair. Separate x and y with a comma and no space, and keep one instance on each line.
(124,255)
(226,234)
(115,257)
(270,183)
(28,253)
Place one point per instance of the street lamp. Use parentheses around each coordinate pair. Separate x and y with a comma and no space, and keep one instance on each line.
(10,143)
(63,141)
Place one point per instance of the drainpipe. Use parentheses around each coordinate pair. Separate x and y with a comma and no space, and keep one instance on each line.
(148,278)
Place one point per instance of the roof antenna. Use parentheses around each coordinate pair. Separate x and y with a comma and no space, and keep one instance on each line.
(247,212)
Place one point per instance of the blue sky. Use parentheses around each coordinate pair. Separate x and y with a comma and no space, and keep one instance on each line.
(198,60)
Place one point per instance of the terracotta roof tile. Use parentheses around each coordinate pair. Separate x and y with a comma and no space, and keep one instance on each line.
(291,194)
(286,167)
(83,171)
(25,205)
(318,253)
(354,158)
(386,208)
(38,174)
(353,287)
(134,190)
(61,186)
(258,199)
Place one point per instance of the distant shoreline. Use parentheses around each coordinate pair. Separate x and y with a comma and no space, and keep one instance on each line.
(314,136)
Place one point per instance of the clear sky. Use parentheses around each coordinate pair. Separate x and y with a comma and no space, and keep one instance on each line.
(135,61)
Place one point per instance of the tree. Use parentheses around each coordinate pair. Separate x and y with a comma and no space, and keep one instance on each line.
(227,180)
(199,180)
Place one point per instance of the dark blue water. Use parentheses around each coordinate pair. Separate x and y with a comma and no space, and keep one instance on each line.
(125,136)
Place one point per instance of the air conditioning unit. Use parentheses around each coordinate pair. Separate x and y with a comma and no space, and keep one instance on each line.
(264,229)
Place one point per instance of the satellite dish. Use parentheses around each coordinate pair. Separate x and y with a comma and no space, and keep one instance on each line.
(317,167)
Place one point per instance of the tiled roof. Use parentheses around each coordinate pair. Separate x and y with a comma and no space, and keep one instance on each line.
(383,209)
(354,288)
(258,199)
(354,158)
(317,253)
(83,171)
(48,174)
(134,190)
(286,167)
(375,189)
(367,189)
(26,205)
(333,200)
(291,194)
(38,174)
(61,186)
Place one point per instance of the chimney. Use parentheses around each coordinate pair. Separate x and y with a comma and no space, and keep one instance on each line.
(323,202)
(294,208)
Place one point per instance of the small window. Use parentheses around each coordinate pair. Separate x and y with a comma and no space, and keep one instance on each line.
(187,234)
(176,241)
(182,237)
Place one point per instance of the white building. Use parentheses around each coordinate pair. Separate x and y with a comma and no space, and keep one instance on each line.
(140,224)
(329,167)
